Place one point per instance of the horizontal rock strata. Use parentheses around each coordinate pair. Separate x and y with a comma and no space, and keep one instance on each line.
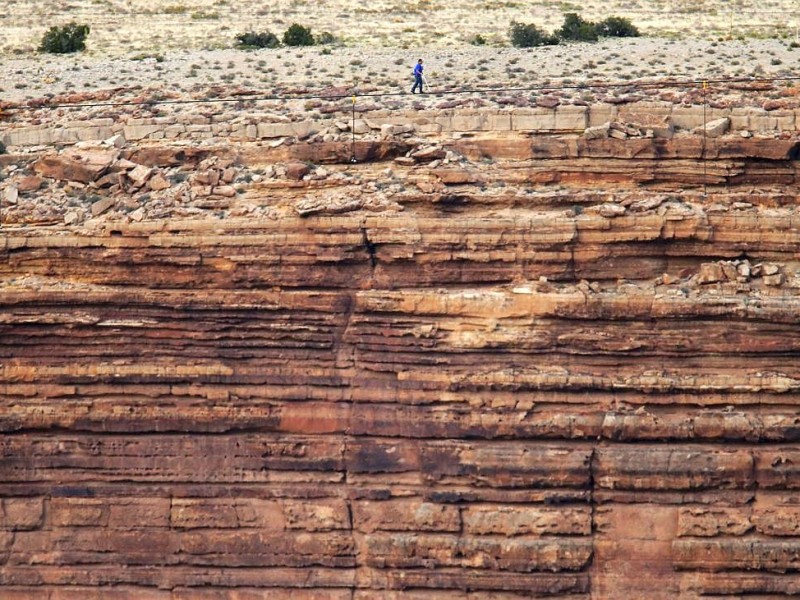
(544,366)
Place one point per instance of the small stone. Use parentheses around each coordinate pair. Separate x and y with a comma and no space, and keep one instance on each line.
(548,102)
(597,132)
(431,153)
(773,280)
(730,271)
(158,182)
(608,210)
(115,141)
(405,161)
(770,269)
(29,183)
(139,175)
(710,273)
(297,170)
(228,175)
(426,187)
(71,218)
(224,190)
(745,134)
(360,126)
(208,177)
(137,215)
(327,205)
(387,130)
(101,206)
(11,195)
(714,128)
(743,269)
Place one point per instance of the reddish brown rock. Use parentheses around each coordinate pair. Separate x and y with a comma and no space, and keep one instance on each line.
(158,182)
(553,369)
(29,183)
(297,170)
(83,166)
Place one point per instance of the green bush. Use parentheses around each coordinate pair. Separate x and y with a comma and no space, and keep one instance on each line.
(478,40)
(297,35)
(616,27)
(576,29)
(64,40)
(525,35)
(251,39)
(326,37)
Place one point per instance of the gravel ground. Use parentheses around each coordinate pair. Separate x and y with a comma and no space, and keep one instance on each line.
(389,70)
(126,27)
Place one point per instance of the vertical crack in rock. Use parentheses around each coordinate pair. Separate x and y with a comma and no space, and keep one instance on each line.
(370,247)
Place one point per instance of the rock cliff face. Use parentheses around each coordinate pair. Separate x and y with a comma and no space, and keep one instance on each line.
(496,365)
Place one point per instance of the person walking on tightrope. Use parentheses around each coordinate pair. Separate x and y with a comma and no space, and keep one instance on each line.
(418,77)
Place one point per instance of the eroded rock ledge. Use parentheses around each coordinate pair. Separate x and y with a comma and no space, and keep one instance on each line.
(499,365)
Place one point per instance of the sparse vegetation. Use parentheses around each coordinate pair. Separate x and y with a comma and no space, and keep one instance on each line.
(297,35)
(526,35)
(65,40)
(144,56)
(616,27)
(574,29)
(577,29)
(251,39)
(325,38)
(202,15)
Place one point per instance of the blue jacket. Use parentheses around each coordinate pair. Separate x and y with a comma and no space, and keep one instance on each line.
(418,70)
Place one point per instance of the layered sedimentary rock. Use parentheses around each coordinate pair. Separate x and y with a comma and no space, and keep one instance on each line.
(509,366)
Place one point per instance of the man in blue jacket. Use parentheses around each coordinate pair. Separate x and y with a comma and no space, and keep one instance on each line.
(418,77)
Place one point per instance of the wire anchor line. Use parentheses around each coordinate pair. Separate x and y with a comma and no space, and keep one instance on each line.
(353,131)
(703,156)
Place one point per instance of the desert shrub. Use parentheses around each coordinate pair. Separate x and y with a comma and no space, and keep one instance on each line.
(297,35)
(577,29)
(326,37)
(526,35)
(616,27)
(478,40)
(64,40)
(2,148)
(251,39)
